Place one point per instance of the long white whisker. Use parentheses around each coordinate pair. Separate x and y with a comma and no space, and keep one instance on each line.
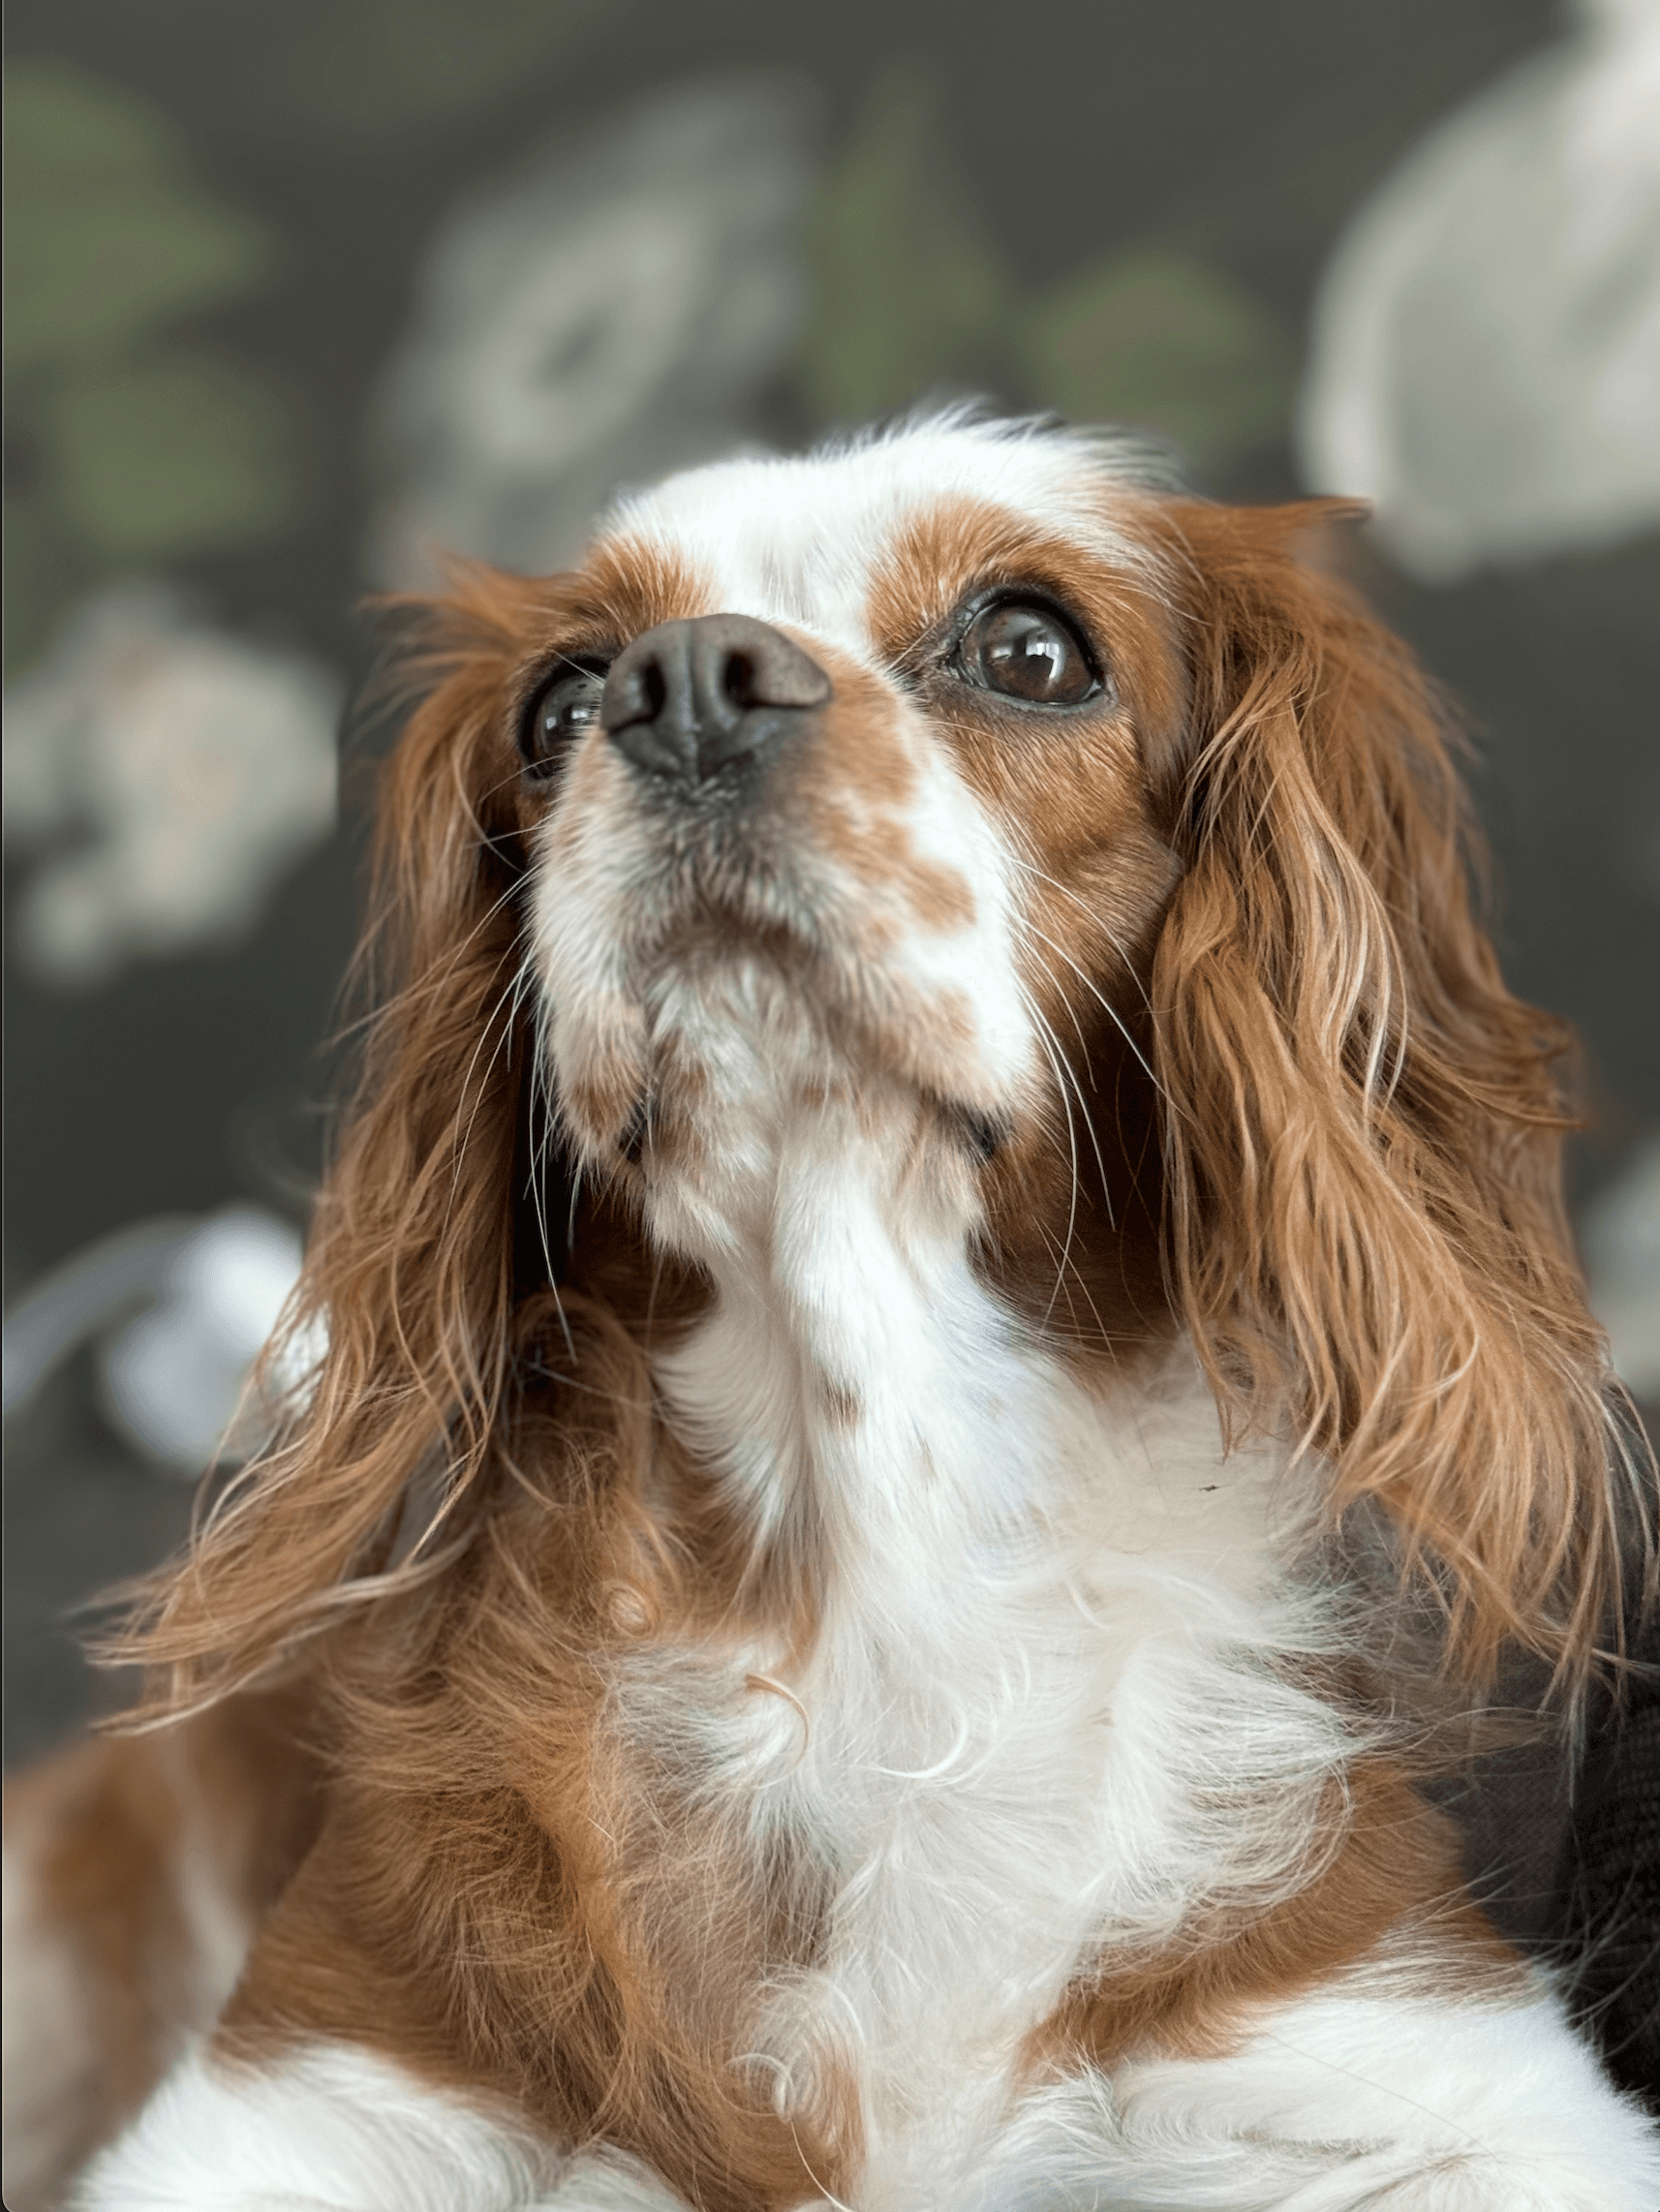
(1111,1011)
(541,1095)
(1051,1052)
(1063,1070)
(1067,1266)
(507,997)
(1090,913)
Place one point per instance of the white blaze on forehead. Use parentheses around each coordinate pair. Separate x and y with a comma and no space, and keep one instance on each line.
(800,539)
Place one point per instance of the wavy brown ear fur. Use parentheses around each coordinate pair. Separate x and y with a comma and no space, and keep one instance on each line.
(410,1264)
(1363,1141)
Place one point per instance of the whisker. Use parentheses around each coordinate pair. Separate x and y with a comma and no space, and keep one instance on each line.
(542,1098)
(575,1197)
(1046,1040)
(1062,1071)
(432,979)
(1111,1011)
(1091,916)
(506,998)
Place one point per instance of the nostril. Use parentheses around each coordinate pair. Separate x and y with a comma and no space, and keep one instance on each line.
(738,680)
(655,690)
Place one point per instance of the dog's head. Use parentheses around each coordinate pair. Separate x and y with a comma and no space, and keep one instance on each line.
(845,869)
(974,827)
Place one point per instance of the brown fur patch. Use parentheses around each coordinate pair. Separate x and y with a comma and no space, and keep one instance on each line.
(840,1403)
(848,788)
(514,1900)
(107,1831)
(1362,1128)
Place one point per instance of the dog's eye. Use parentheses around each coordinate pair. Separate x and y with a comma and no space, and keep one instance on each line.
(566,705)
(1029,652)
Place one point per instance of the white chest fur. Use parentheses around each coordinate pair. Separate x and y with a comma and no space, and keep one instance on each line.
(1039,1715)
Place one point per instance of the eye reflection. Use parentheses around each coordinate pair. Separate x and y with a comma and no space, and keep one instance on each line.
(1027,650)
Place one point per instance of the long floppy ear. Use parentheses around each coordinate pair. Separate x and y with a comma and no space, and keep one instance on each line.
(1362,1128)
(409,1279)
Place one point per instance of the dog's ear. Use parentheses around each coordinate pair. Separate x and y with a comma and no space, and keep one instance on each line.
(1362,1128)
(404,1316)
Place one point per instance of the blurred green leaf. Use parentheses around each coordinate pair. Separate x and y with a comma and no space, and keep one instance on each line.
(908,296)
(1164,340)
(108,236)
(167,453)
(374,65)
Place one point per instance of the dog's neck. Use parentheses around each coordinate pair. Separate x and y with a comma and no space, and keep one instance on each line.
(855,1380)
(877,1417)
(995,1542)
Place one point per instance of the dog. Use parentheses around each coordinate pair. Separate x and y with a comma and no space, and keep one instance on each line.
(944,1293)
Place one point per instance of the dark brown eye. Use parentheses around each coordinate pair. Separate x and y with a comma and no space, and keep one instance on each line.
(567,706)
(1027,650)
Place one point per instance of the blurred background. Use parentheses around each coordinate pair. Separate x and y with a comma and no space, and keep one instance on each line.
(298,294)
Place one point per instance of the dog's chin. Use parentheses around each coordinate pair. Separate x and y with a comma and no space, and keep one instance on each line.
(738,1050)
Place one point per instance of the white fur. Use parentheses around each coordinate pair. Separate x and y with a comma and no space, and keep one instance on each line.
(327,2127)
(1344,2103)
(796,540)
(332,2129)
(1039,1722)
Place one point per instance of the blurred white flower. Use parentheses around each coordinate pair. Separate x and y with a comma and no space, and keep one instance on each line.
(173,1378)
(1484,358)
(168,776)
(612,311)
(180,1310)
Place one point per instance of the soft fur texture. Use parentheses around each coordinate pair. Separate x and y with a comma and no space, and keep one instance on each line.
(922,1332)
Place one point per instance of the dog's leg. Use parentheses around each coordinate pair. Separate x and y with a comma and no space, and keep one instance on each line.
(326,2126)
(1344,2103)
(331,2128)
(354,2069)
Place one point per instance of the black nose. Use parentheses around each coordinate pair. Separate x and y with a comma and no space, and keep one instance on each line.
(689,697)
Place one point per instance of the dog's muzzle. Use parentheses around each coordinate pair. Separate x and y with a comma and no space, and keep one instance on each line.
(691,699)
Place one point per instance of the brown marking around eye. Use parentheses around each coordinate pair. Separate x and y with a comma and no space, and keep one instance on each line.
(1057,766)
(1073,1191)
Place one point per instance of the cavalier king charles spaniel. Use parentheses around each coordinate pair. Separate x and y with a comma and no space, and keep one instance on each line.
(942,1313)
